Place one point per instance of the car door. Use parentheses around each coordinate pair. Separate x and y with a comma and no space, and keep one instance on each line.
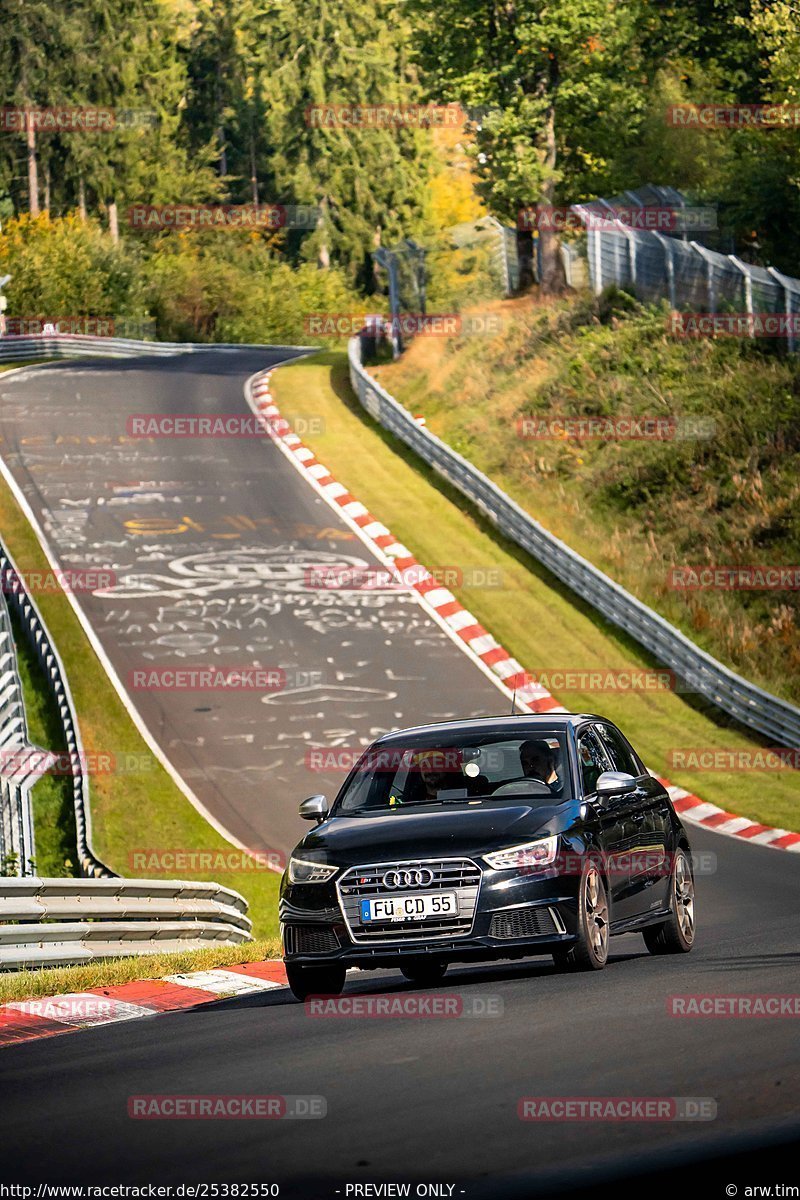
(648,825)
(614,818)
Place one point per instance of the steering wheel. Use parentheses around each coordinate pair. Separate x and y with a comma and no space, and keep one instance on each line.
(523,786)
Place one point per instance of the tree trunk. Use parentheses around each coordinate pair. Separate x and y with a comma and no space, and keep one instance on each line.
(81,198)
(323,254)
(552,277)
(113,222)
(253,174)
(47,188)
(33,171)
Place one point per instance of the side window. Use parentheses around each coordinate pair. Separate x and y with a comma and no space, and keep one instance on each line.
(592,760)
(618,750)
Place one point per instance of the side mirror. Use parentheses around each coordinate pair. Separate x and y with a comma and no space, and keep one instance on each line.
(615,783)
(315,808)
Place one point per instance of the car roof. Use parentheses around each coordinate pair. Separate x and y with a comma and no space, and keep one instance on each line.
(520,723)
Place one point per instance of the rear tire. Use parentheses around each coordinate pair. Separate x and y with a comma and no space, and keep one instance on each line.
(676,934)
(305,981)
(589,952)
(425,972)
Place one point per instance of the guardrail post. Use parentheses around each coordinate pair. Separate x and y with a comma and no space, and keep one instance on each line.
(748,289)
(669,264)
(711,291)
(786,284)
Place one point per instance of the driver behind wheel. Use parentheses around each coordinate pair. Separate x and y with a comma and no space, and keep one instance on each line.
(539,763)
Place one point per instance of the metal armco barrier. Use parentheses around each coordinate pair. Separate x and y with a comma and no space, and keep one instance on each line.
(15,810)
(60,922)
(66,345)
(36,633)
(52,922)
(21,764)
(700,673)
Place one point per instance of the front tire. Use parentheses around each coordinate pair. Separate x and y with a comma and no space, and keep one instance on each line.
(676,934)
(425,972)
(324,980)
(589,952)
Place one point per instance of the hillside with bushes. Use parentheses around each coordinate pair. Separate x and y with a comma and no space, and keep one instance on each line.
(719,484)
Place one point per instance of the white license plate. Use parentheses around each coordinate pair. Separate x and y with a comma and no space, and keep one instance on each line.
(410,908)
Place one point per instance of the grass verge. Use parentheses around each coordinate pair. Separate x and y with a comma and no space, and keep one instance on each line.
(538,620)
(130,810)
(724,491)
(28,362)
(51,796)
(55,981)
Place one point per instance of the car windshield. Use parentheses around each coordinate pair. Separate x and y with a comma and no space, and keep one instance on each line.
(461,769)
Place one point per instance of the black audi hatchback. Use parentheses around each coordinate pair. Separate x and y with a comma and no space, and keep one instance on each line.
(486,839)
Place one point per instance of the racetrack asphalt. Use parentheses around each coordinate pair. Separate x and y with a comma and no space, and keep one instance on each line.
(435,1098)
(409,1099)
(215,544)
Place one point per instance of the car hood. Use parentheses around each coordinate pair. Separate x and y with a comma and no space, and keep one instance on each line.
(443,832)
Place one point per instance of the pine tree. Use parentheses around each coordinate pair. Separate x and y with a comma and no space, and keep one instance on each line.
(366,181)
(561,79)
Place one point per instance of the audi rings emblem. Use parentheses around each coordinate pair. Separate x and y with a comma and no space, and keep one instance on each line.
(408,877)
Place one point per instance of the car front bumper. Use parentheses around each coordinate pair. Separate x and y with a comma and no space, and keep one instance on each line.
(513,915)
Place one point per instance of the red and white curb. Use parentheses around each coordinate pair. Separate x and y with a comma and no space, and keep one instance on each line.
(26,1020)
(461,624)
(440,601)
(700,812)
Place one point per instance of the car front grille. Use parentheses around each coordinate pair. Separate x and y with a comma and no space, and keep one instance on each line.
(532,921)
(309,939)
(459,875)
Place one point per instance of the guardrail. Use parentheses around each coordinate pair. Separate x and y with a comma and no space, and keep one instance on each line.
(53,922)
(699,672)
(21,764)
(78,345)
(15,347)
(35,630)
(62,922)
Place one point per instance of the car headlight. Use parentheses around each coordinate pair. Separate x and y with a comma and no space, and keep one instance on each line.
(529,855)
(303,871)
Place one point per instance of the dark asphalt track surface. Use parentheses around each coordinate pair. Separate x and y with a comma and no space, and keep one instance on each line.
(408,1100)
(436,1099)
(210,541)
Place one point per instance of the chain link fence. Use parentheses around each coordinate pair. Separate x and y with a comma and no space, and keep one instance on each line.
(699,282)
(741,700)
